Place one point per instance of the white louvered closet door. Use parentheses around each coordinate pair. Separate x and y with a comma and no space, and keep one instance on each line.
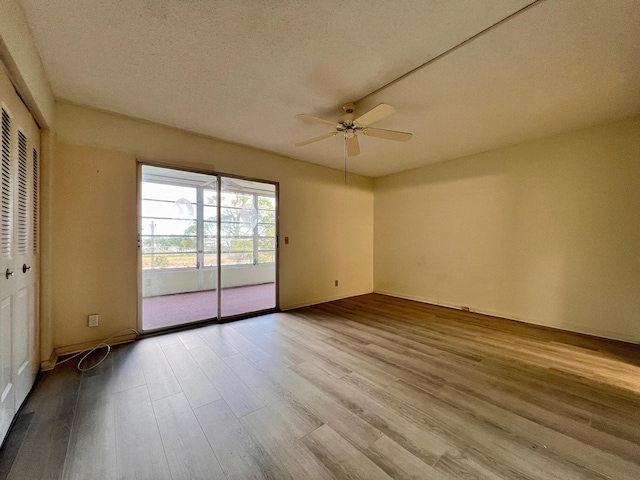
(20,144)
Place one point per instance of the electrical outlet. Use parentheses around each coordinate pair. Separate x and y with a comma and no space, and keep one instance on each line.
(93,320)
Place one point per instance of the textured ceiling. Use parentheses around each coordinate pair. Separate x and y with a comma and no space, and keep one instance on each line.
(241,70)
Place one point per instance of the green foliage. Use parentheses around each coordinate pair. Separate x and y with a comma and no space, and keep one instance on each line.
(160,261)
(236,238)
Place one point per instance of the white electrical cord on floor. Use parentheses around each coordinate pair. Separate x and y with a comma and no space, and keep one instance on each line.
(102,344)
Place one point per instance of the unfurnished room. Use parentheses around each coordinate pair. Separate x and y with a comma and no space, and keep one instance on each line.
(320,239)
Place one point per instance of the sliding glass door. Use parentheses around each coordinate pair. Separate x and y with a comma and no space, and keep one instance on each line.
(247,246)
(182,263)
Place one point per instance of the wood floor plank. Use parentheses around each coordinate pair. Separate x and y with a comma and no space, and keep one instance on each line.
(269,429)
(421,442)
(212,337)
(282,343)
(191,340)
(185,445)
(282,385)
(246,370)
(240,398)
(359,432)
(288,322)
(398,463)
(159,377)
(600,453)
(139,450)
(463,466)
(500,447)
(240,457)
(44,447)
(244,346)
(289,381)
(345,358)
(168,339)
(126,367)
(193,381)
(92,447)
(269,342)
(340,457)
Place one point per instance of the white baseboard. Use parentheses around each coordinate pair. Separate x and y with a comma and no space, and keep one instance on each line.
(82,347)
(566,326)
(316,301)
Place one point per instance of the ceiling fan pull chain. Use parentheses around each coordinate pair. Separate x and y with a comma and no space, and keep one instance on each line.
(345,158)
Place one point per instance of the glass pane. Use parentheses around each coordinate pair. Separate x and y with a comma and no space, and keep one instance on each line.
(210,260)
(267,243)
(237,244)
(162,191)
(266,216)
(210,244)
(168,209)
(237,258)
(230,214)
(157,226)
(266,257)
(210,229)
(266,230)
(235,199)
(168,244)
(210,213)
(168,260)
(209,196)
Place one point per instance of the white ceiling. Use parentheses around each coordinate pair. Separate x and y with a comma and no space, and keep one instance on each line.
(241,70)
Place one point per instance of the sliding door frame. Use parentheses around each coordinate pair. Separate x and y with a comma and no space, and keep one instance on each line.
(140,162)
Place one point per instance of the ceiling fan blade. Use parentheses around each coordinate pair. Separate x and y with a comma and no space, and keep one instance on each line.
(387,134)
(312,119)
(353,148)
(373,115)
(317,139)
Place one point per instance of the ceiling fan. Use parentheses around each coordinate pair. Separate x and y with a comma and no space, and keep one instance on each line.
(350,122)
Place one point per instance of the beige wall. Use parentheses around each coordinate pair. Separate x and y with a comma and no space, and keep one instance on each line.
(93,194)
(20,57)
(18,52)
(546,232)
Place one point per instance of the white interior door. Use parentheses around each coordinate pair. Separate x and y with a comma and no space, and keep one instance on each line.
(20,144)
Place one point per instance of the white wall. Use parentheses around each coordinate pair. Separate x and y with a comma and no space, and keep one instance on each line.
(546,232)
(93,239)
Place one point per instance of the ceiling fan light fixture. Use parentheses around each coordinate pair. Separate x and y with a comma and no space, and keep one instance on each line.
(350,122)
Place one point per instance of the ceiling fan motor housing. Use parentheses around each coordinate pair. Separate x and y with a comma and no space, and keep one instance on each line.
(349,115)
(349,107)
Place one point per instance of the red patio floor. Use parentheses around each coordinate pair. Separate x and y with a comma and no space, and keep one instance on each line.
(170,310)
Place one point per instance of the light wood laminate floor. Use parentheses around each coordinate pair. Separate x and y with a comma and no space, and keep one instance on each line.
(362,388)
